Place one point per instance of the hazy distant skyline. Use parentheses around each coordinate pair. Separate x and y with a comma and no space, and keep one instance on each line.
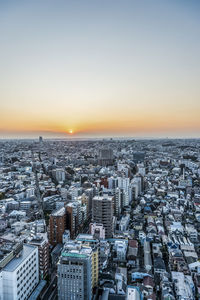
(100,68)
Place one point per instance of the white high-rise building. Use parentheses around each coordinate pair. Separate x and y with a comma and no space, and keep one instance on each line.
(20,276)
(124,185)
(123,182)
(125,197)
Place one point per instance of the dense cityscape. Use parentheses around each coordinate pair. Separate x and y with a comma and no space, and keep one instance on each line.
(100,219)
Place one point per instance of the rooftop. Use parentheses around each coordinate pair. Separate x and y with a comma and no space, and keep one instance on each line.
(15,262)
(58,213)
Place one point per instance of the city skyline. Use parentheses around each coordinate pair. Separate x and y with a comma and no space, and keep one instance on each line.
(99,69)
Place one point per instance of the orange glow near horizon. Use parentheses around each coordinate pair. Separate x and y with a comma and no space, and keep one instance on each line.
(83,117)
(147,124)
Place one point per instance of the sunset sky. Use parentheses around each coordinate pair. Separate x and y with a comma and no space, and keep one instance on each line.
(99,68)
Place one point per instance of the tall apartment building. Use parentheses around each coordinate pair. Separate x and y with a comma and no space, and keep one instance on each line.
(90,193)
(74,218)
(126,191)
(95,266)
(118,204)
(123,183)
(102,212)
(43,254)
(20,276)
(57,226)
(75,272)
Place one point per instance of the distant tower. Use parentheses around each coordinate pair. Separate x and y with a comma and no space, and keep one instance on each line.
(105,157)
(40,139)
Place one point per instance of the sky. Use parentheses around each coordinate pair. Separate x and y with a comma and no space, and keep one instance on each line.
(109,68)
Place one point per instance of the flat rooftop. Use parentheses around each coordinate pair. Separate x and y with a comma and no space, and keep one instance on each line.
(15,262)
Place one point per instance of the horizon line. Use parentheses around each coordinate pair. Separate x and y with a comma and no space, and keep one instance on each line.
(100,138)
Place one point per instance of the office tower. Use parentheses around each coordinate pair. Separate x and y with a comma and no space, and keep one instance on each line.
(75,272)
(57,226)
(97,230)
(102,212)
(43,254)
(20,276)
(40,139)
(105,157)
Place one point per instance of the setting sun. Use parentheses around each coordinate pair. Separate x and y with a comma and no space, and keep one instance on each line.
(70,131)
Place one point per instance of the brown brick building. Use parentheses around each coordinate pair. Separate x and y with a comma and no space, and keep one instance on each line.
(57,226)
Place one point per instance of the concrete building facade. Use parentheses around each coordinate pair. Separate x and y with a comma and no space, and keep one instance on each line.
(20,276)
(102,212)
